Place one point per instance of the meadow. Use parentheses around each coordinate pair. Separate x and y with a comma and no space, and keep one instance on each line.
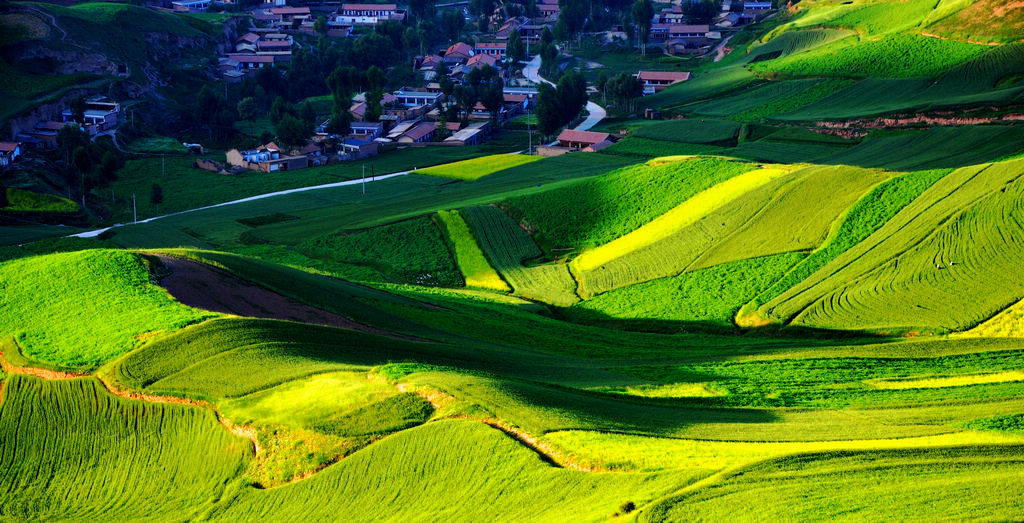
(475,168)
(475,268)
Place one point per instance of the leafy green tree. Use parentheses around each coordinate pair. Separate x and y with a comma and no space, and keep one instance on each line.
(77,107)
(278,109)
(156,194)
(515,49)
(320,26)
(549,110)
(643,12)
(109,166)
(292,130)
(700,11)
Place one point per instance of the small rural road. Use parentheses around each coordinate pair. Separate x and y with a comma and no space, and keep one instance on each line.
(720,51)
(597,113)
(97,232)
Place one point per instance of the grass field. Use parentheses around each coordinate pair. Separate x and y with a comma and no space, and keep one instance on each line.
(475,268)
(469,170)
(49,306)
(509,248)
(84,454)
(19,200)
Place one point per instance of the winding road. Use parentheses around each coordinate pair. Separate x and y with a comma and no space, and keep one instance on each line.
(380,177)
(597,113)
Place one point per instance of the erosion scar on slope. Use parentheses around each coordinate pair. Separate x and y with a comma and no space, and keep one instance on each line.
(204,287)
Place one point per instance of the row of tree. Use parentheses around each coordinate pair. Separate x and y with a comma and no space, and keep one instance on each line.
(558,106)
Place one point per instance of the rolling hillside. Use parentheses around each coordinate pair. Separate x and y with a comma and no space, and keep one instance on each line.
(797,297)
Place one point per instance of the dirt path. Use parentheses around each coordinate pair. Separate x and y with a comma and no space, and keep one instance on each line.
(204,287)
(243,431)
(722,50)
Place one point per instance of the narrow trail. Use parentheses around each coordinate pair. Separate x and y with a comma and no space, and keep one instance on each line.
(549,454)
(243,431)
(721,50)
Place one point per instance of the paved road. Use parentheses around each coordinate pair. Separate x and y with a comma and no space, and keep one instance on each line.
(597,113)
(97,232)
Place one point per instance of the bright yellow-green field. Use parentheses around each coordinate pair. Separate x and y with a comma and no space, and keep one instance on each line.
(952,381)
(630,452)
(469,170)
(1007,324)
(474,266)
(682,215)
(671,390)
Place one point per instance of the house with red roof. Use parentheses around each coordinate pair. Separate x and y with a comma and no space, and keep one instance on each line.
(458,53)
(575,140)
(657,81)
(9,152)
(421,132)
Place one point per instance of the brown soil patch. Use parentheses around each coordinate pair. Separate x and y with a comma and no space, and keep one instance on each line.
(204,287)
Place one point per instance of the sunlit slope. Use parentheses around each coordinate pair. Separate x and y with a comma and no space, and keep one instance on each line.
(956,483)
(84,308)
(450,470)
(752,221)
(947,261)
(72,451)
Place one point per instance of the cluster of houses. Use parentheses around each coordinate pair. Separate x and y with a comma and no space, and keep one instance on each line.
(669,27)
(101,115)
(258,48)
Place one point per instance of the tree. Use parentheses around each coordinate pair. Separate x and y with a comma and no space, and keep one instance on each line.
(422,9)
(156,194)
(624,89)
(320,26)
(490,91)
(546,36)
(452,23)
(602,82)
(296,23)
(410,40)
(307,114)
(572,95)
(515,49)
(643,12)
(77,107)
(292,130)
(561,32)
(465,96)
(109,166)
(549,110)
(278,109)
(700,11)
(247,108)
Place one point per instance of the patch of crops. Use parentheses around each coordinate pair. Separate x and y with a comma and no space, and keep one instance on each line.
(691,130)
(472,262)
(704,297)
(627,452)
(865,217)
(392,414)
(645,148)
(895,56)
(267,219)
(1011,423)
(680,216)
(1008,323)
(19,200)
(409,251)
(760,220)
(594,212)
(732,106)
(234,357)
(50,303)
(72,451)
(873,484)
(937,148)
(914,272)
(508,247)
(463,470)
(476,168)
(982,20)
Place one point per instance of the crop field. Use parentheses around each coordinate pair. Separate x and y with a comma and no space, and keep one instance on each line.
(508,247)
(469,170)
(691,131)
(27,201)
(410,251)
(596,211)
(85,454)
(475,268)
(744,224)
(936,248)
(866,216)
(711,296)
(60,326)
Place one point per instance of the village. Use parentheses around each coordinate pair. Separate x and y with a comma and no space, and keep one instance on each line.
(432,111)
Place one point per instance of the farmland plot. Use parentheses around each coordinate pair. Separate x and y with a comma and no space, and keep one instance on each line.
(914,272)
(472,262)
(508,246)
(83,454)
(469,170)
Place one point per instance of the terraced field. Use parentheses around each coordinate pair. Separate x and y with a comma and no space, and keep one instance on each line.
(508,248)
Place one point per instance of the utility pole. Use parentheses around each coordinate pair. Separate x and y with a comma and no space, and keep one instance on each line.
(163,172)
(135,213)
(364,178)
(529,129)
